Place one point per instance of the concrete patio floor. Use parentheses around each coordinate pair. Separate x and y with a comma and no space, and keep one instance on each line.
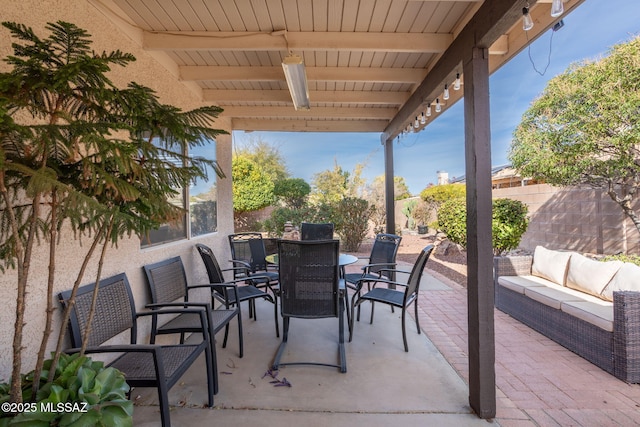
(539,383)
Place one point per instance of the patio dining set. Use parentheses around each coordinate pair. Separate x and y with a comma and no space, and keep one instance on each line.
(304,279)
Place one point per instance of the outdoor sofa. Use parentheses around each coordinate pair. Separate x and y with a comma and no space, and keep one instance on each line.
(588,306)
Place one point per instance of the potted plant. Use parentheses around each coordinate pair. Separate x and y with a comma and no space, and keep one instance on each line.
(421,215)
(79,152)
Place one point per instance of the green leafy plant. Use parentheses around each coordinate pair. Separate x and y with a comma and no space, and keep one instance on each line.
(352,222)
(80,154)
(509,222)
(293,192)
(252,187)
(83,393)
(633,259)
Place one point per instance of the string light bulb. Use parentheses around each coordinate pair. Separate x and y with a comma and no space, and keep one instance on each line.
(429,110)
(416,123)
(557,8)
(527,21)
(423,119)
(438,105)
(456,83)
(445,95)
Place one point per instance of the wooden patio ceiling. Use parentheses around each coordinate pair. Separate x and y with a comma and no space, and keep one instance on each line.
(372,65)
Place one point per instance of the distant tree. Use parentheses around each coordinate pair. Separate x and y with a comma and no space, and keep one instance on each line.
(292,192)
(252,187)
(330,186)
(267,156)
(376,197)
(584,128)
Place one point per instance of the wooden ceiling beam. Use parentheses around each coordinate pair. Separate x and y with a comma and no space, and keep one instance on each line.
(492,20)
(222,96)
(360,113)
(283,125)
(265,74)
(307,41)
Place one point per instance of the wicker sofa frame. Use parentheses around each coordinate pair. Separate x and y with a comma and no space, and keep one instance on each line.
(616,352)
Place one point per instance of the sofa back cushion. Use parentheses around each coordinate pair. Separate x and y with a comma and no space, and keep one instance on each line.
(551,265)
(590,276)
(626,279)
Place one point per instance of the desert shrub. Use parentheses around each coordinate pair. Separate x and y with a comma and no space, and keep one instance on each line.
(439,194)
(634,259)
(452,220)
(351,219)
(509,222)
(292,192)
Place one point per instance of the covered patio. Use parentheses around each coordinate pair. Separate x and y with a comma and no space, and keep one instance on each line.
(372,66)
(538,381)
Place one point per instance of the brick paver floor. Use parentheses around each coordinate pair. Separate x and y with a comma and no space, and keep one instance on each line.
(540,383)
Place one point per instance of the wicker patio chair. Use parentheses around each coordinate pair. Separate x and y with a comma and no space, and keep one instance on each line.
(168,283)
(244,292)
(382,257)
(312,231)
(310,289)
(143,365)
(395,298)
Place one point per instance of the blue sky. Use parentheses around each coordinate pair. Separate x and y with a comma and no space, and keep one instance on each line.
(588,33)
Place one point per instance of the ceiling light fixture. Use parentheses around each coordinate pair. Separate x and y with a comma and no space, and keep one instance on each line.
(527,21)
(456,83)
(296,76)
(557,8)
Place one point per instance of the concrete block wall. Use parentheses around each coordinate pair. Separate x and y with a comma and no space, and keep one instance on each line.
(576,218)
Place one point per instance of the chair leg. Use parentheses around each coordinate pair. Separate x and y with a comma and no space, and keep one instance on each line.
(212,369)
(285,335)
(372,306)
(341,351)
(275,315)
(415,307)
(226,335)
(404,330)
(240,334)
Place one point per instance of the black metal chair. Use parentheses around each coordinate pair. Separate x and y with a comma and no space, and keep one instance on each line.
(313,231)
(143,365)
(395,298)
(248,250)
(168,283)
(310,289)
(382,257)
(246,292)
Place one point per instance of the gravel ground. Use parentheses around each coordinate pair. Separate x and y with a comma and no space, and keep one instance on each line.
(452,265)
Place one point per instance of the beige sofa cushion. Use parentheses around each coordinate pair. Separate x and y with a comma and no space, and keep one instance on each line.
(554,295)
(520,283)
(551,265)
(626,279)
(589,275)
(598,313)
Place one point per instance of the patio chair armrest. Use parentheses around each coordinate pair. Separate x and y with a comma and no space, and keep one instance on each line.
(367,267)
(229,285)
(381,280)
(185,304)
(243,264)
(116,348)
(393,270)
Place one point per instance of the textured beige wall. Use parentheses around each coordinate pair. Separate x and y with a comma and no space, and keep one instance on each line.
(579,219)
(128,256)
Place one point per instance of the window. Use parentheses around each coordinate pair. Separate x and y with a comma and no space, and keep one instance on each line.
(202,207)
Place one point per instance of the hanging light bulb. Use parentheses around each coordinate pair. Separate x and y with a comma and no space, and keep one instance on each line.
(429,110)
(445,96)
(557,8)
(456,84)
(527,22)
(416,123)
(438,106)
(423,119)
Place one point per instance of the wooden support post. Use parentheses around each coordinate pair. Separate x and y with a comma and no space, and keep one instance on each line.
(480,292)
(389,195)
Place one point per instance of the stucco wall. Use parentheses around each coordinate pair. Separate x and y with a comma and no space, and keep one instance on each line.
(128,256)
